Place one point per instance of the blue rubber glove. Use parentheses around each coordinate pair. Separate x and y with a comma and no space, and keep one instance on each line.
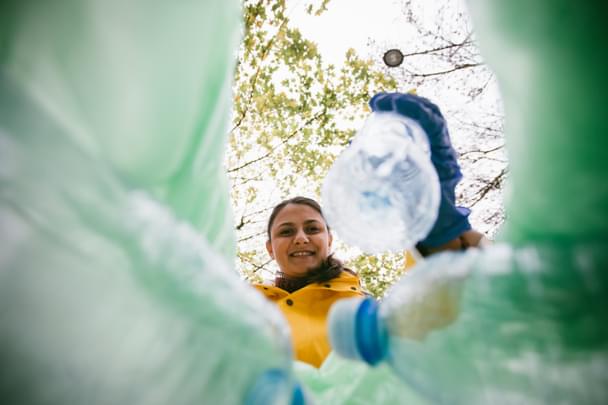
(452,220)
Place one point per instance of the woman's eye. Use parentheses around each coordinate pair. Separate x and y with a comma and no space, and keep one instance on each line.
(285,232)
(313,229)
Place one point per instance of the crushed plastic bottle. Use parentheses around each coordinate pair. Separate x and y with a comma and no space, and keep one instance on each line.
(382,193)
(497,326)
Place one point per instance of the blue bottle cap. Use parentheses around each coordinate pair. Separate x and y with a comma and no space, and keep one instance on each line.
(356,332)
(272,387)
(341,328)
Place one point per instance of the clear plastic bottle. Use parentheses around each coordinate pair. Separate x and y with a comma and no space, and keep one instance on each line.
(419,330)
(501,325)
(382,193)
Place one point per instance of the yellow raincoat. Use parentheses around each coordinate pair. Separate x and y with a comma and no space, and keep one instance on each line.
(306,311)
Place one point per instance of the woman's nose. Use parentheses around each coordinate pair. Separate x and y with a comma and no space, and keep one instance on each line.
(301,237)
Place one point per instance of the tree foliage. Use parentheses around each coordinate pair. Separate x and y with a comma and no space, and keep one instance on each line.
(293,114)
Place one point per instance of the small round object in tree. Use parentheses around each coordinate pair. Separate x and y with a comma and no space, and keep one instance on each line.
(393,57)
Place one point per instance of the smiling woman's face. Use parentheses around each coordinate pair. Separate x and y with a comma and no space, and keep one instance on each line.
(299,239)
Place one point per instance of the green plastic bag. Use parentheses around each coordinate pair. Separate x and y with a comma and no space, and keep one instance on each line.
(116,281)
(340,381)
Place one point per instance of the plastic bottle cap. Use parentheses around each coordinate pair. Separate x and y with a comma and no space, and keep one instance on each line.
(272,388)
(342,328)
(356,332)
(299,396)
(372,337)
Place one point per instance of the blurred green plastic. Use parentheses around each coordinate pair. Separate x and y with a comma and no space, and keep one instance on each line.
(116,283)
(345,382)
(525,320)
(143,87)
(551,59)
(116,247)
(503,326)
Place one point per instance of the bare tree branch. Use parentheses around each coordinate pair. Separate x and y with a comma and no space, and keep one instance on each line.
(241,180)
(241,223)
(482,151)
(251,236)
(497,131)
(441,48)
(256,267)
(443,72)
(263,210)
(493,184)
(283,142)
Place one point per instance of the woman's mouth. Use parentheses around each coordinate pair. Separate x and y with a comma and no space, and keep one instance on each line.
(304,253)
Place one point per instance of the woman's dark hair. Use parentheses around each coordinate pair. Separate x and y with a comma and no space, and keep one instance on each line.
(331,267)
(295,200)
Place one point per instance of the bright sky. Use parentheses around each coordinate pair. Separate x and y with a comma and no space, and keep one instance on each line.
(352,23)
(349,24)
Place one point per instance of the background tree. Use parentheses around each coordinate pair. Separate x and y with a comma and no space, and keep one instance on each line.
(442,62)
(294,113)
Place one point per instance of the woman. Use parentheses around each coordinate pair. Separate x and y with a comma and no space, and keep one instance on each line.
(310,279)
